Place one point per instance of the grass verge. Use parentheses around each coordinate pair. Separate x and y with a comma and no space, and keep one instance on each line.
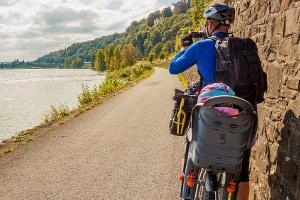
(183,80)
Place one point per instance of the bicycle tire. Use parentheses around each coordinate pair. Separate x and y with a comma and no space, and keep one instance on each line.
(223,194)
(208,195)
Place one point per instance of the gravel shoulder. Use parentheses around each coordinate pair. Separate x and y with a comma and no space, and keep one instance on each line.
(121,149)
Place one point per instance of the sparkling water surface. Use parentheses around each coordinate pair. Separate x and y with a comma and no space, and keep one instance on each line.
(26,95)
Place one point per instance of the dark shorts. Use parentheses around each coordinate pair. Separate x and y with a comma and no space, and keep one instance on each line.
(244,176)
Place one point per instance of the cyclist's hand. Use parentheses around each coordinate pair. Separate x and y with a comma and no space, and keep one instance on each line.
(186,41)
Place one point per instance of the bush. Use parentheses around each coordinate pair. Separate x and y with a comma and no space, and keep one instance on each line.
(152,56)
(86,95)
(115,80)
(56,113)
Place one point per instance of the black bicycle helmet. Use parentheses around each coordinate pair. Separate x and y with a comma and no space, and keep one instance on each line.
(220,12)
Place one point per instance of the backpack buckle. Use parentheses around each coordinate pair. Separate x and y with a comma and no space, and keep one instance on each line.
(226,63)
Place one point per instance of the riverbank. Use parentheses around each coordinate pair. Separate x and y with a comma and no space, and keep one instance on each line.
(116,83)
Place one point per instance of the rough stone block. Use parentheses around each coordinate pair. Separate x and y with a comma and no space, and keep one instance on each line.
(290,94)
(293,83)
(298,51)
(272,56)
(296,107)
(286,47)
(275,6)
(261,117)
(296,38)
(285,4)
(273,152)
(274,81)
(279,25)
(292,19)
(270,31)
(271,132)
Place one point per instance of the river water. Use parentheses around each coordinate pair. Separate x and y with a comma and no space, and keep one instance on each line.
(26,95)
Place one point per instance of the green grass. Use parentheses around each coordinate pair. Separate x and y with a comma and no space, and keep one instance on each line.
(114,82)
(56,113)
(183,80)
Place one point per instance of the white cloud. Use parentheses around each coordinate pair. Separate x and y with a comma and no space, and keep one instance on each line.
(32,28)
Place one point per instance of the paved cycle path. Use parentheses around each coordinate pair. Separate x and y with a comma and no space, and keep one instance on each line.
(121,149)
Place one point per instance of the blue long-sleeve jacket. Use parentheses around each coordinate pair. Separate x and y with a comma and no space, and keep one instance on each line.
(201,53)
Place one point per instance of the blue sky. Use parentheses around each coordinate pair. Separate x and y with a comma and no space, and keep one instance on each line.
(32,28)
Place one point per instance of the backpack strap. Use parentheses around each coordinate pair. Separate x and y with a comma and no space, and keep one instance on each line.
(225,62)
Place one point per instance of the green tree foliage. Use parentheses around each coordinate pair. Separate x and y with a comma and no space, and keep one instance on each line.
(100,62)
(151,56)
(152,17)
(197,10)
(158,48)
(76,63)
(155,37)
(109,53)
(167,12)
(169,47)
(116,59)
(139,41)
(68,63)
(162,55)
(84,50)
(93,59)
(129,55)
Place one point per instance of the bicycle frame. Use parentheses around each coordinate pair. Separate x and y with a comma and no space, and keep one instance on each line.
(212,183)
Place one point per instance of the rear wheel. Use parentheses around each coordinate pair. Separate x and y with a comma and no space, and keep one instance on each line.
(208,195)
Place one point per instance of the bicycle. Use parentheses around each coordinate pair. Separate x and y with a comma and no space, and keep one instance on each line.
(215,148)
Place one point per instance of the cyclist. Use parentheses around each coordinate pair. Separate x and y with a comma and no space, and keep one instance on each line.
(219,17)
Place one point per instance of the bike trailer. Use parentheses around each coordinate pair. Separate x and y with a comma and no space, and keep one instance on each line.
(220,140)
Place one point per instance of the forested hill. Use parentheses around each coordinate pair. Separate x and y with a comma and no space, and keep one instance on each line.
(80,52)
(155,36)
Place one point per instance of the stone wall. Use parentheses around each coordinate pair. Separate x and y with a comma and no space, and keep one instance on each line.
(275,161)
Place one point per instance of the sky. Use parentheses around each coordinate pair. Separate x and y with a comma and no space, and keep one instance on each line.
(32,28)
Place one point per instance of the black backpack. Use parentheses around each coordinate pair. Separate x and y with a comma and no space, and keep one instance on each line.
(238,66)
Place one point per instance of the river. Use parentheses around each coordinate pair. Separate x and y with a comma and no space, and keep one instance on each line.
(26,95)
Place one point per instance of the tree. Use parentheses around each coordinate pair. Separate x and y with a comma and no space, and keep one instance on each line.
(168,35)
(197,10)
(100,63)
(109,53)
(169,47)
(158,48)
(139,41)
(68,63)
(155,37)
(116,59)
(129,55)
(77,63)
(162,55)
(167,12)
(152,17)
(151,56)
(93,59)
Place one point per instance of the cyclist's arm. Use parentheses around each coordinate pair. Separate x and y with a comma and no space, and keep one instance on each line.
(184,60)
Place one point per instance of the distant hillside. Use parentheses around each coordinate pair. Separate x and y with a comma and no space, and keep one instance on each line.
(157,36)
(84,51)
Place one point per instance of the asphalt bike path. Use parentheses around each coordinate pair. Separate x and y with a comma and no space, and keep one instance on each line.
(119,150)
